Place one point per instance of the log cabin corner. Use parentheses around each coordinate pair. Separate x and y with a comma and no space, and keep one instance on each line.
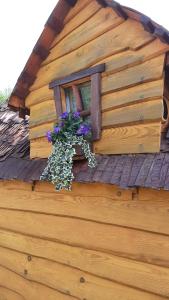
(108,238)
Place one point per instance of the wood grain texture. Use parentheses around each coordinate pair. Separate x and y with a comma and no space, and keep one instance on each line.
(141,92)
(79,283)
(29,290)
(114,64)
(85,13)
(42,113)
(102,21)
(140,112)
(7,294)
(107,44)
(125,242)
(109,209)
(122,270)
(80,5)
(130,139)
(148,71)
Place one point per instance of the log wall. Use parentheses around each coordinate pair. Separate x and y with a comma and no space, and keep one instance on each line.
(132,84)
(97,242)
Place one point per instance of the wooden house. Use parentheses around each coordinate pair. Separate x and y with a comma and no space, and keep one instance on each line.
(107,239)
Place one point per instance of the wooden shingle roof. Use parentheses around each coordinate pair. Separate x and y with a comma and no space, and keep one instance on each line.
(125,171)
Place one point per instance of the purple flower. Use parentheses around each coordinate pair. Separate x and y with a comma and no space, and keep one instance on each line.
(64,115)
(83,130)
(49,136)
(56,130)
(76,115)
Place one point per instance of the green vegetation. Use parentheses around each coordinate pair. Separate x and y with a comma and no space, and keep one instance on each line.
(4,95)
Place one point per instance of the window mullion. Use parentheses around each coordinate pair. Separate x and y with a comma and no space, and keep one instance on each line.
(77,96)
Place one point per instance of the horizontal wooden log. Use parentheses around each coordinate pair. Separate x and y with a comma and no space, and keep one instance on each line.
(78,75)
(114,64)
(113,141)
(27,289)
(146,91)
(7,294)
(102,21)
(117,240)
(151,194)
(42,113)
(81,284)
(80,5)
(108,209)
(130,139)
(148,71)
(84,14)
(140,112)
(94,189)
(107,44)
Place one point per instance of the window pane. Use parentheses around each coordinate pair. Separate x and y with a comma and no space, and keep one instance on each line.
(70,100)
(85,91)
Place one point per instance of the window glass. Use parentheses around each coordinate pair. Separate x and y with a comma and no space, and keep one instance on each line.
(70,100)
(85,94)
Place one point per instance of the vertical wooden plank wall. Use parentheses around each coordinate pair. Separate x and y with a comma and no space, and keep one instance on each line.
(132,85)
(97,243)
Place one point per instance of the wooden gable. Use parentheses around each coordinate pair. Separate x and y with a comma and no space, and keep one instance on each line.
(131,86)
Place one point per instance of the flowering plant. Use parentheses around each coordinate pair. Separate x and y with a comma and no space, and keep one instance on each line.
(70,131)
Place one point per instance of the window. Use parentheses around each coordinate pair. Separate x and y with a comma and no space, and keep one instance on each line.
(81,92)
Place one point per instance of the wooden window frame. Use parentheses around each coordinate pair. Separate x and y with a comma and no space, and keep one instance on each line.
(94,76)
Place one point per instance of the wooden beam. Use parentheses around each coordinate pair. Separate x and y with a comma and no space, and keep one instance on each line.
(71,2)
(58,100)
(102,3)
(55,24)
(41,51)
(162,35)
(27,78)
(78,75)
(96,106)
(118,8)
(76,93)
(147,24)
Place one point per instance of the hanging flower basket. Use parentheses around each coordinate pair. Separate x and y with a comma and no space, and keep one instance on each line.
(70,133)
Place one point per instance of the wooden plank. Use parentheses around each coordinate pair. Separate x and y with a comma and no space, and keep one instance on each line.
(80,5)
(109,209)
(130,139)
(78,75)
(104,20)
(148,71)
(109,43)
(77,282)
(153,195)
(40,131)
(140,112)
(121,241)
(7,294)
(38,96)
(42,113)
(28,289)
(140,275)
(146,91)
(114,63)
(94,189)
(39,148)
(15,184)
(86,12)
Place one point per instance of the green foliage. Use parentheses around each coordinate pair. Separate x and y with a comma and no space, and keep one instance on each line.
(71,131)
(4,95)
